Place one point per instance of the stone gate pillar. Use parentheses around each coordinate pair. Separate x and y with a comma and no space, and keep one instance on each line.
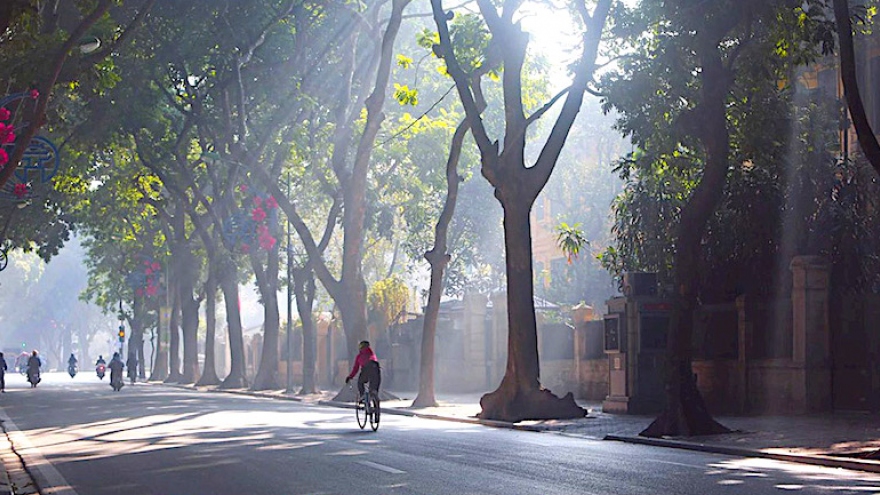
(811,340)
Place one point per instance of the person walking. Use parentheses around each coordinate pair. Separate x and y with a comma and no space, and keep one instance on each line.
(132,364)
(2,373)
(33,368)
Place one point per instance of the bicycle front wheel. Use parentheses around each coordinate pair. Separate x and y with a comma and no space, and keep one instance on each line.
(374,417)
(361,413)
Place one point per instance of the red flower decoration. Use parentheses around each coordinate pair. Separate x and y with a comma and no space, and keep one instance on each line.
(3,157)
(243,188)
(4,114)
(148,272)
(156,266)
(35,94)
(267,243)
(258,214)
(151,290)
(258,201)
(271,203)
(6,134)
(20,190)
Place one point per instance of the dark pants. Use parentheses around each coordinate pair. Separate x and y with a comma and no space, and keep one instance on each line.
(2,380)
(370,373)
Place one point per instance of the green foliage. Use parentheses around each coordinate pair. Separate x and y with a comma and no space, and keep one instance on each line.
(570,239)
(779,136)
(406,96)
(388,299)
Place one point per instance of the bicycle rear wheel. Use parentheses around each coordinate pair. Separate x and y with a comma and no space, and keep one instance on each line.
(361,413)
(374,417)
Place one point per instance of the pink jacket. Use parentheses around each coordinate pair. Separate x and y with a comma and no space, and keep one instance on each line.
(364,356)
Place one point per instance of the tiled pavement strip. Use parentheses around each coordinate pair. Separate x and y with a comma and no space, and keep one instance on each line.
(815,439)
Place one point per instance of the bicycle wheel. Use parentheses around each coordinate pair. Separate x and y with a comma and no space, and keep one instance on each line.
(374,418)
(361,413)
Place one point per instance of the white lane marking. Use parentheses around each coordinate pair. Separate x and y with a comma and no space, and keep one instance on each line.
(48,478)
(381,467)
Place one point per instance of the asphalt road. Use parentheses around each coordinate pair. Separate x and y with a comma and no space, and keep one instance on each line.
(79,437)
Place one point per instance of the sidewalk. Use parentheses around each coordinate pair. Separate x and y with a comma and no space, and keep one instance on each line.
(834,440)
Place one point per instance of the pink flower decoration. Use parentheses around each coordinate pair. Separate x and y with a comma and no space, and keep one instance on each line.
(148,271)
(271,203)
(35,94)
(243,188)
(3,157)
(151,290)
(20,190)
(156,266)
(258,215)
(258,201)
(4,114)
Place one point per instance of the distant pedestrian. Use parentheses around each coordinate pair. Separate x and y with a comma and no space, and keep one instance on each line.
(2,373)
(132,364)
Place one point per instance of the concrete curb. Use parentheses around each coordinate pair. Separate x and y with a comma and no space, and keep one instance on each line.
(814,459)
(475,421)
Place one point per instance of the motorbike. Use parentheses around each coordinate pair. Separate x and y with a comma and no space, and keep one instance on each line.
(33,377)
(71,370)
(116,381)
(100,370)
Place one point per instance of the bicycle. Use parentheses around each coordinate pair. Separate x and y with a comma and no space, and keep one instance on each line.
(367,409)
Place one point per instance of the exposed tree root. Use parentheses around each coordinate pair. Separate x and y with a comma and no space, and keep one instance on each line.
(688,416)
(513,405)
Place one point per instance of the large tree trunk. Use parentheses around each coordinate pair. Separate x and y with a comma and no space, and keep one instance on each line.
(304,291)
(174,337)
(520,395)
(190,317)
(159,372)
(267,374)
(353,309)
(136,341)
(438,258)
(867,140)
(209,374)
(685,411)
(229,286)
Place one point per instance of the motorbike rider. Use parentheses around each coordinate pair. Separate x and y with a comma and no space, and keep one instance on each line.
(116,367)
(100,366)
(71,364)
(33,368)
(3,369)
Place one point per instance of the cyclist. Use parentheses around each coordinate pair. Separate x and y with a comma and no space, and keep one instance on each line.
(368,364)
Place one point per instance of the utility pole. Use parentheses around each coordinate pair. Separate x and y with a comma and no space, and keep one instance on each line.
(289,304)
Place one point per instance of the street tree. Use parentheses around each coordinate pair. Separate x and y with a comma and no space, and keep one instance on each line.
(684,90)
(356,115)
(520,395)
